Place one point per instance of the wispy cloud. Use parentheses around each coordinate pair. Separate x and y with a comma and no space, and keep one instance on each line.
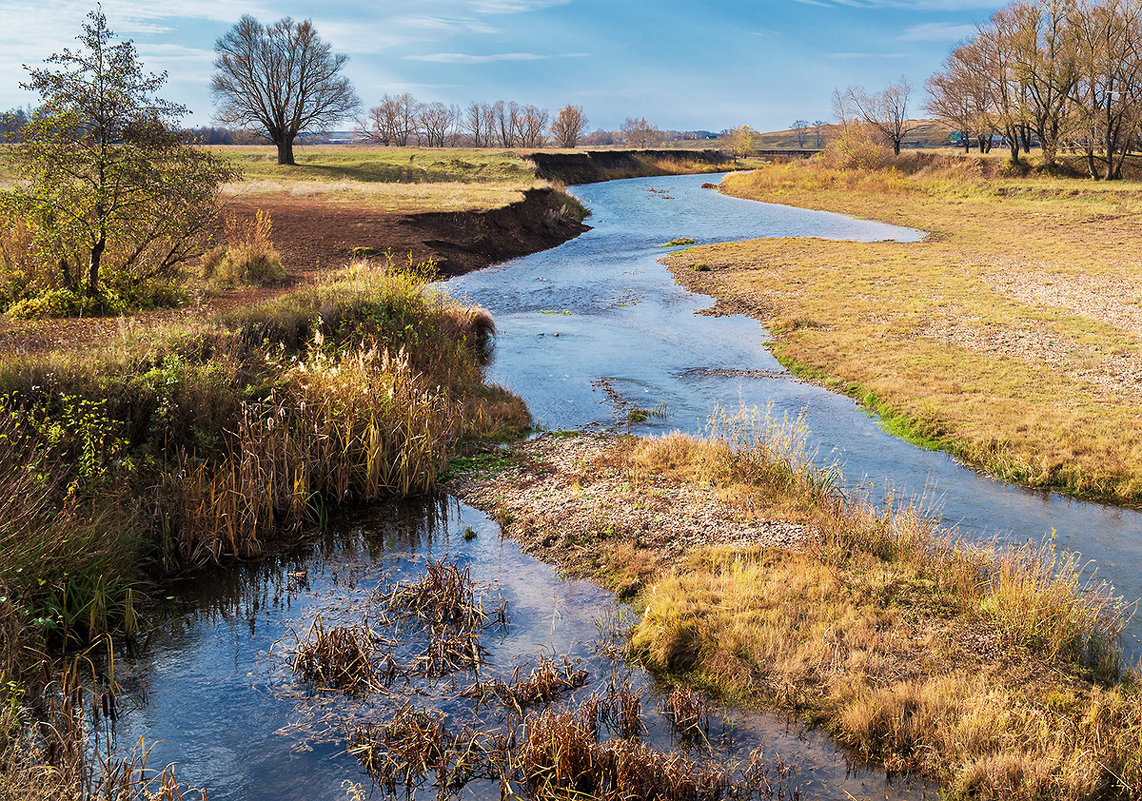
(439,25)
(937,32)
(469,58)
(514,6)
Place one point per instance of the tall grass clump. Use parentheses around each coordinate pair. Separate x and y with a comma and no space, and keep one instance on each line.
(248,257)
(996,669)
(187,444)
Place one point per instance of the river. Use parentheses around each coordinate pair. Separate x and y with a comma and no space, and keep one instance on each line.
(602,307)
(210,688)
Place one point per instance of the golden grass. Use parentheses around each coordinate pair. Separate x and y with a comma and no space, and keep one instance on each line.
(1011,337)
(994,671)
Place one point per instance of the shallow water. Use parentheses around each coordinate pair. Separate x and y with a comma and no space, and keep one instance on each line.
(212,689)
(595,318)
(602,307)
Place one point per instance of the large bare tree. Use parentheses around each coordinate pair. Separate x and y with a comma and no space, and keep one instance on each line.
(886,111)
(281,78)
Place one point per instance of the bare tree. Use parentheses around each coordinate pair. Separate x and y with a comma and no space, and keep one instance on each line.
(532,124)
(282,78)
(959,95)
(393,121)
(801,131)
(1108,89)
(479,125)
(819,133)
(886,112)
(506,122)
(639,133)
(1044,52)
(569,125)
(437,122)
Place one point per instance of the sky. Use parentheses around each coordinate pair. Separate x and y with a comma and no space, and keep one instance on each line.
(682,64)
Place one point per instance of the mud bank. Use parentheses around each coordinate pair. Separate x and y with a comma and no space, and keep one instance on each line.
(593,166)
(465,241)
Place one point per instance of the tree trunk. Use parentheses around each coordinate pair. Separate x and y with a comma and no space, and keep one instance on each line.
(896,147)
(92,288)
(285,151)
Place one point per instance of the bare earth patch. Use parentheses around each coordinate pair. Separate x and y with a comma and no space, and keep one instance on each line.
(567,493)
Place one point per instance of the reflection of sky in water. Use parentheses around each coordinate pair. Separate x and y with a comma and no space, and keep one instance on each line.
(213,693)
(619,315)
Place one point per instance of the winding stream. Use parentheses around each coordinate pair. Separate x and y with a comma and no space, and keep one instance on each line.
(601,306)
(210,687)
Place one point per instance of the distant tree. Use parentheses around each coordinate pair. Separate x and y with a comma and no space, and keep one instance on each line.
(819,133)
(569,125)
(532,124)
(282,78)
(639,133)
(111,180)
(801,131)
(478,124)
(886,112)
(11,123)
(506,122)
(740,141)
(438,122)
(600,137)
(392,122)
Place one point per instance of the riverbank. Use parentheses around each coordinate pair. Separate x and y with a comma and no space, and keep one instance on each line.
(765,585)
(176,447)
(1010,337)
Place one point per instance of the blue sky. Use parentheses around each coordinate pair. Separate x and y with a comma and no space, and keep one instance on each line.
(683,64)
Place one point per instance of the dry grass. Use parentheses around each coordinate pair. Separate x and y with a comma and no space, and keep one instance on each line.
(995,671)
(394,197)
(191,443)
(1011,337)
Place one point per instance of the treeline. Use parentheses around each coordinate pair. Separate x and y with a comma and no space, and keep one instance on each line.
(1064,75)
(403,120)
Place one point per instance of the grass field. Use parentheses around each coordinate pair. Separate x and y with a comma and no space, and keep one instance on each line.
(1011,336)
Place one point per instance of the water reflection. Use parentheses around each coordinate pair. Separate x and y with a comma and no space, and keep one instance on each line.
(211,685)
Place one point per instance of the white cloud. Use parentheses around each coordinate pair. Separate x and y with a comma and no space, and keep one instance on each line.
(937,32)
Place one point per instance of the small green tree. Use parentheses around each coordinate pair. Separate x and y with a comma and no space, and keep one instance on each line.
(112,184)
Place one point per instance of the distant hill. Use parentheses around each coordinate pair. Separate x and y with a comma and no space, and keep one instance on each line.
(924,133)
